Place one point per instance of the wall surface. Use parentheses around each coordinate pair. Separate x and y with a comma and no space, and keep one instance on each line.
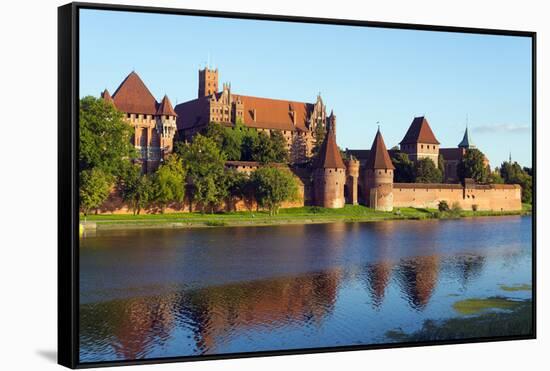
(29,241)
(496,198)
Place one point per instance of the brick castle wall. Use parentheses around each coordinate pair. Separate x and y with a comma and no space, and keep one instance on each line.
(497,197)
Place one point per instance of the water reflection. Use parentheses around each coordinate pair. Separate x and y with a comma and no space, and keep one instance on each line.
(176,293)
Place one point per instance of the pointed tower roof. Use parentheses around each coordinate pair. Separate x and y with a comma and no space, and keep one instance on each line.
(379,158)
(466,141)
(419,132)
(329,154)
(165,107)
(106,96)
(132,96)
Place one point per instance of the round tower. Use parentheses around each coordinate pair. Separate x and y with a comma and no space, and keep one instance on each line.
(329,175)
(352,177)
(379,176)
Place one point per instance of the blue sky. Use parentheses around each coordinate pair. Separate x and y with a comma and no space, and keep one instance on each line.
(367,75)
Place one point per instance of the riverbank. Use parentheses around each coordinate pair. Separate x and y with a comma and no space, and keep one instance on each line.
(301,215)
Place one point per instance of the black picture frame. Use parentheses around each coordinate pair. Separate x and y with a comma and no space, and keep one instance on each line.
(68,216)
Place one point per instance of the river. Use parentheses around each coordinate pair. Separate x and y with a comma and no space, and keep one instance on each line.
(180,292)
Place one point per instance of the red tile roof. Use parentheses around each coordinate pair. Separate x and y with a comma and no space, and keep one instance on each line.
(270,113)
(165,107)
(132,96)
(419,132)
(329,153)
(379,158)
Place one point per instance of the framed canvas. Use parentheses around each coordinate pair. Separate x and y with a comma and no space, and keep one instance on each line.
(239,185)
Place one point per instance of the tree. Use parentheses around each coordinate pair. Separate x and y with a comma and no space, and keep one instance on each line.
(494,177)
(169,182)
(279,143)
(473,166)
(319,133)
(136,188)
(425,171)
(272,186)
(95,186)
(104,137)
(205,165)
(512,173)
(404,168)
(249,143)
(228,139)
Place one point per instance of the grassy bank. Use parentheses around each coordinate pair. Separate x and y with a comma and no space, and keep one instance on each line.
(510,318)
(301,215)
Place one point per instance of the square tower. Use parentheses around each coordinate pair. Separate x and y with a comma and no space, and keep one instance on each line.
(208,82)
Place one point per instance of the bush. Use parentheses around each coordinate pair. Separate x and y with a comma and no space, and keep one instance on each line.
(443,206)
(456,210)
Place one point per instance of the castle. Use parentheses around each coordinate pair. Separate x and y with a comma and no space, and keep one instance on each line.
(366,177)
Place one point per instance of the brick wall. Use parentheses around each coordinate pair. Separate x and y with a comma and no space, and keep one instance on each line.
(498,197)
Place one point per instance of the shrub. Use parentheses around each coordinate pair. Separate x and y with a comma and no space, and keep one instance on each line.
(443,206)
(456,210)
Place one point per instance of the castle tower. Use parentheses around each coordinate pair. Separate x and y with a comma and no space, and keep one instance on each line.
(329,175)
(107,97)
(352,177)
(166,126)
(420,142)
(466,142)
(379,176)
(208,82)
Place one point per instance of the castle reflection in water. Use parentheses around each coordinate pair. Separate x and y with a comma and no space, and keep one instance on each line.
(214,313)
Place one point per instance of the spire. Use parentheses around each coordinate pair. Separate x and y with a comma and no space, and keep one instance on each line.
(329,153)
(106,96)
(379,158)
(466,140)
(165,107)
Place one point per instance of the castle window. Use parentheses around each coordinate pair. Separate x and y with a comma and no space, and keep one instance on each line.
(422,146)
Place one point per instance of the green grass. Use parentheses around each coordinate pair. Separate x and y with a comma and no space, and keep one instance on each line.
(523,287)
(517,321)
(475,306)
(299,215)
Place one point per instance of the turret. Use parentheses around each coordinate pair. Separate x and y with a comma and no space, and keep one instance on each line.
(352,177)
(166,125)
(466,142)
(107,97)
(379,176)
(329,174)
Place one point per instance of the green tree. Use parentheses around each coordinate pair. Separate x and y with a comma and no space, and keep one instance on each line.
(319,134)
(169,182)
(513,173)
(494,177)
(473,166)
(272,186)
(404,168)
(136,188)
(280,149)
(95,186)
(105,139)
(263,151)
(228,139)
(205,165)
(425,171)
(249,142)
